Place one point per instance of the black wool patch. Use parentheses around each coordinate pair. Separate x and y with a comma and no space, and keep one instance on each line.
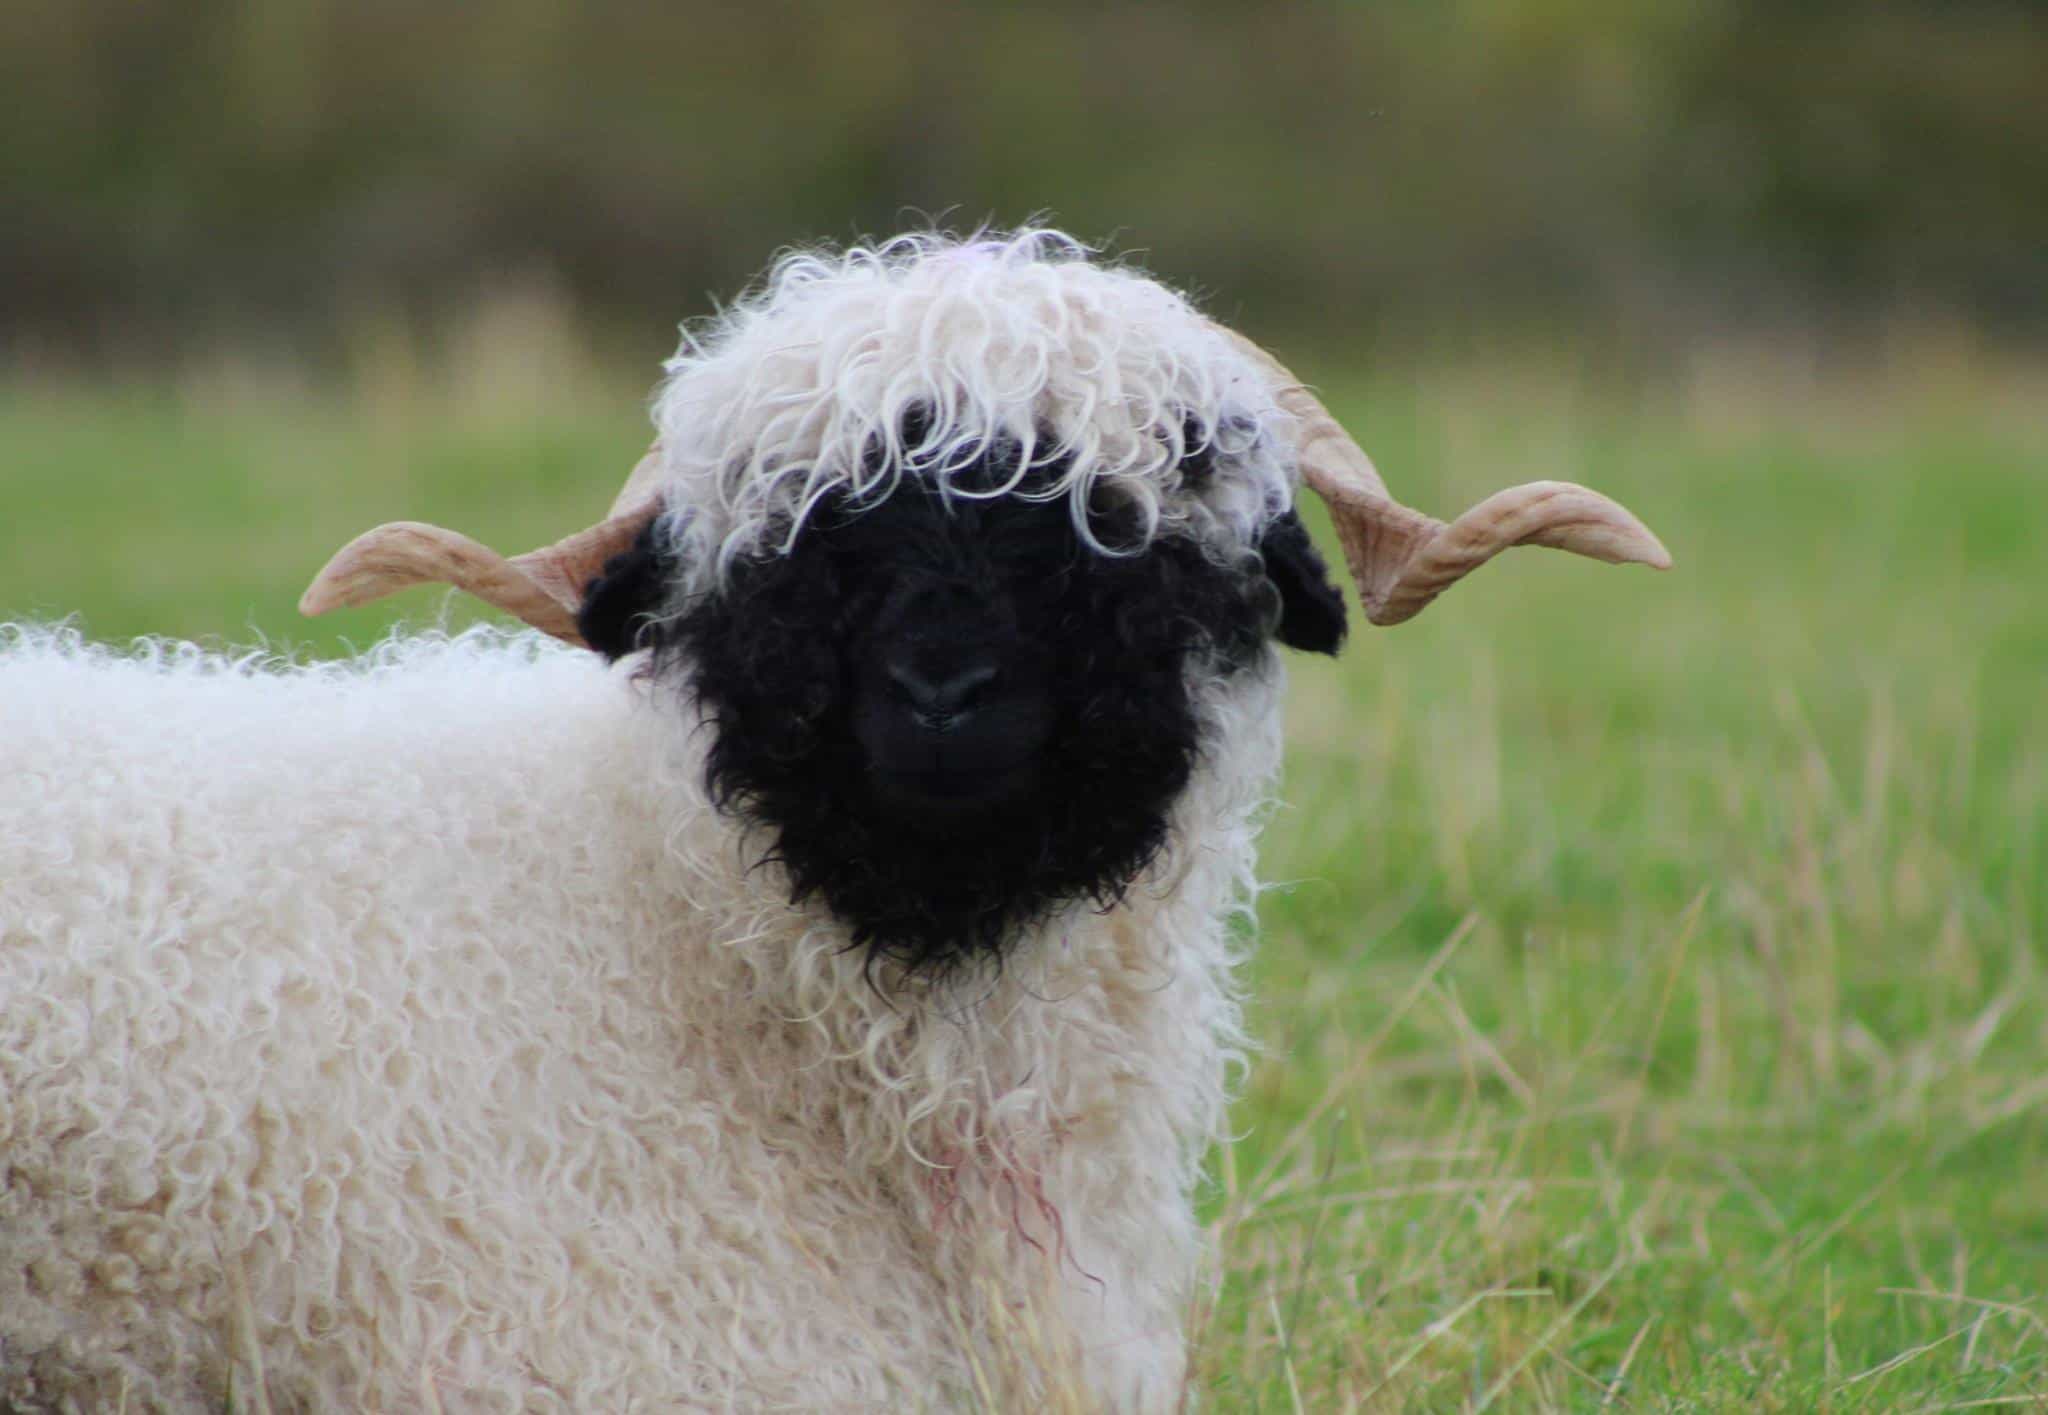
(949,717)
(1312,615)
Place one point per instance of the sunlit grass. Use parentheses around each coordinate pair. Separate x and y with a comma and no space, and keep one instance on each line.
(1652,987)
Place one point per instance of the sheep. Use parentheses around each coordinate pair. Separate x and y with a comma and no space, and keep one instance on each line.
(821,996)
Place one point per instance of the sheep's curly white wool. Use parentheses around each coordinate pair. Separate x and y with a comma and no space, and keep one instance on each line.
(414,1022)
(803,388)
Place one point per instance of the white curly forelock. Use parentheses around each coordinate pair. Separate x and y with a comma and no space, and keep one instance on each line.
(801,390)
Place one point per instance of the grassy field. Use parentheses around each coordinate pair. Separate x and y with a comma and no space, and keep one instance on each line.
(1653,985)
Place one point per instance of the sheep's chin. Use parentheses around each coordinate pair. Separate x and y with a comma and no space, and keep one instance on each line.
(944,802)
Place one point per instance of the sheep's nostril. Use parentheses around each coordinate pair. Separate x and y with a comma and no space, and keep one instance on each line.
(939,694)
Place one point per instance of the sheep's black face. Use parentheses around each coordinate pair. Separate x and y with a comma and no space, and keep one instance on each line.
(953,716)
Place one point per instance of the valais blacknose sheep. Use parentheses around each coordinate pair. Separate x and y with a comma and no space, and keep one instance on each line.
(819,997)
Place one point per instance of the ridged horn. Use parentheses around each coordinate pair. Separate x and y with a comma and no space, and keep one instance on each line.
(543,587)
(1402,559)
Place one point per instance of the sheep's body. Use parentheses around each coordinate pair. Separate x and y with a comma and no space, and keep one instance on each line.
(412,1031)
(438,1031)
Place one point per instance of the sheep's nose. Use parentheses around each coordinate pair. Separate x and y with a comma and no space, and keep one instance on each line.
(940,694)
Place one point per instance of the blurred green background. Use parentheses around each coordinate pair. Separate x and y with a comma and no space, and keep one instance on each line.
(1655,998)
(1634,174)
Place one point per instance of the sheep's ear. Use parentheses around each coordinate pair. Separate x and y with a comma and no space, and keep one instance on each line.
(1311,606)
(620,604)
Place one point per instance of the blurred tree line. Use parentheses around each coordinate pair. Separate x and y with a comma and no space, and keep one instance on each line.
(193,170)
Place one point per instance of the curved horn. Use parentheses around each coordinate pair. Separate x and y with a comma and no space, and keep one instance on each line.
(543,587)
(1402,559)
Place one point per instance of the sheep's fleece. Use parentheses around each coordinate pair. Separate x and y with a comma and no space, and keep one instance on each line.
(413,1033)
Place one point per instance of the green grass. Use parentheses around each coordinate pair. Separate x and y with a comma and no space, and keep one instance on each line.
(1653,995)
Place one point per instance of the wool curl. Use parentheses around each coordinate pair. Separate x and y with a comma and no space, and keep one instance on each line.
(801,390)
(413,1031)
